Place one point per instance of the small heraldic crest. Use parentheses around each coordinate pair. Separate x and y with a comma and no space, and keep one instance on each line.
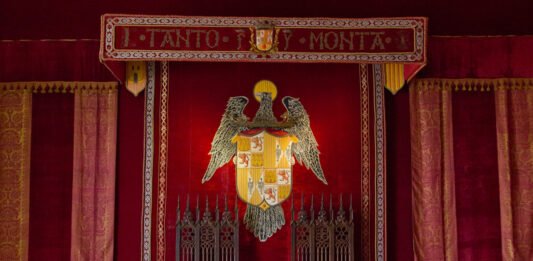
(264,39)
(136,76)
(263,151)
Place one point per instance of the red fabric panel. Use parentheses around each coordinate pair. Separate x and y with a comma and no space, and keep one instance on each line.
(476,176)
(93,182)
(51,176)
(129,176)
(514,117)
(479,57)
(399,201)
(198,96)
(51,61)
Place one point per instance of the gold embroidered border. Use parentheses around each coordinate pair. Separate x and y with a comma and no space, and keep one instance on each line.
(365,162)
(163,153)
(58,86)
(471,84)
(148,160)
(15,140)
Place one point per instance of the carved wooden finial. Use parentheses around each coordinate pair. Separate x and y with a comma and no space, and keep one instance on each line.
(225,202)
(302,202)
(311,209)
(178,211)
(187,204)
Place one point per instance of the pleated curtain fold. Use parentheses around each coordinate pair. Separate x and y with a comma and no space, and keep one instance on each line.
(93,183)
(434,199)
(514,126)
(93,170)
(15,139)
(433,176)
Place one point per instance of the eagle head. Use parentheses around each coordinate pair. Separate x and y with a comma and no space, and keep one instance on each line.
(292,105)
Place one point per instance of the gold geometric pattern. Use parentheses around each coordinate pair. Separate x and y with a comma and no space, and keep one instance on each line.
(15,138)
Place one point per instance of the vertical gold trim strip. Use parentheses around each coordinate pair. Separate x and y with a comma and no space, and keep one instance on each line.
(15,142)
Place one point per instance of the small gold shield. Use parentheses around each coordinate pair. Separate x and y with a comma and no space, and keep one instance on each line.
(136,77)
(264,166)
(264,39)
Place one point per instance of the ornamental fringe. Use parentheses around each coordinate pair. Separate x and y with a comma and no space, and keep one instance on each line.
(470,84)
(58,86)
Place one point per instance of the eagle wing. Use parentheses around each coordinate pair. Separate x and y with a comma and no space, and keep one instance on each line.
(222,149)
(306,149)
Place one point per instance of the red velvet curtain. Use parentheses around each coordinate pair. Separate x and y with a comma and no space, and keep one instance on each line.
(15,133)
(93,181)
(435,224)
(30,64)
(51,176)
(451,57)
(514,114)
(481,169)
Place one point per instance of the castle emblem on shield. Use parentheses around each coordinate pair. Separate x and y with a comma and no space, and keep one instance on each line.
(263,151)
(264,39)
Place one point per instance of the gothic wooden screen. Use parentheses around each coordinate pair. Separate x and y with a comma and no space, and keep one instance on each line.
(326,238)
(208,238)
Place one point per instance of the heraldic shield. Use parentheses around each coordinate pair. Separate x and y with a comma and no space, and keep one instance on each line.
(264,39)
(264,151)
(264,166)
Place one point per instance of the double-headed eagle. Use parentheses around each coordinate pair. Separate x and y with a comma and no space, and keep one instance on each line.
(264,222)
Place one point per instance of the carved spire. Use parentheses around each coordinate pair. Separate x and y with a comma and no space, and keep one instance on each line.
(178,212)
(207,214)
(351,209)
(322,211)
(217,216)
(197,207)
(187,215)
(226,215)
(331,216)
(225,202)
(302,216)
(236,209)
(292,207)
(341,214)
(312,208)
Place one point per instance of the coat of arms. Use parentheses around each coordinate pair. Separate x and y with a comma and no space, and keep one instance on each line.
(263,151)
(264,39)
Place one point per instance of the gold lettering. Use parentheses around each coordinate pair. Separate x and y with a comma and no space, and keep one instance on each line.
(361,39)
(335,40)
(198,36)
(345,40)
(167,39)
(152,35)
(208,37)
(402,45)
(126,39)
(240,36)
(288,34)
(316,39)
(180,38)
(377,41)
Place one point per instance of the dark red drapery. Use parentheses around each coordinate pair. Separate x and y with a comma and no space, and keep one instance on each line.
(455,57)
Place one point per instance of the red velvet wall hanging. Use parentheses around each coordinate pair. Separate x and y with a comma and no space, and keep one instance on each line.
(345,103)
